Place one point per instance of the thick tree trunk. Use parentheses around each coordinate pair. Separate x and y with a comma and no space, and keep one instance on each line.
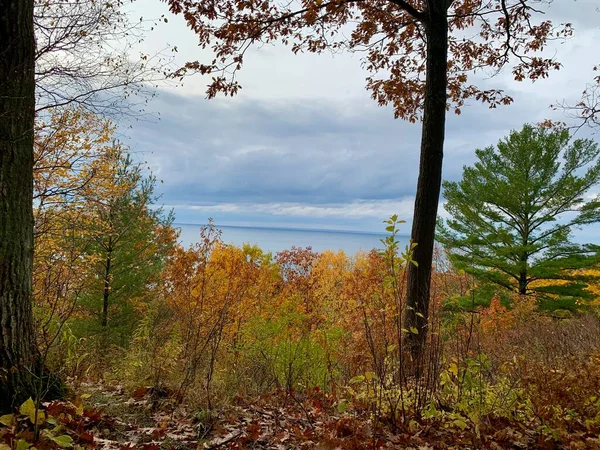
(430,176)
(18,354)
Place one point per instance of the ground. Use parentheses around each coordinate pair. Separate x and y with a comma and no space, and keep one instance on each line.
(106,417)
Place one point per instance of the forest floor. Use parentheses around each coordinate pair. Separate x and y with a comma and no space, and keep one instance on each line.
(273,421)
(107,417)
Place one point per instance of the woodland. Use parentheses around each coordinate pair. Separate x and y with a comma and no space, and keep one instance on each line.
(482,333)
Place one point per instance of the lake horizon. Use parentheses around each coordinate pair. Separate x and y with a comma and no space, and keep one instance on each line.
(275,239)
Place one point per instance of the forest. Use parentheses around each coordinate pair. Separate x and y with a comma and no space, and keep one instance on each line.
(483,332)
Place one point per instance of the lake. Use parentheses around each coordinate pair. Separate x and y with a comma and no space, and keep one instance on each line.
(277,239)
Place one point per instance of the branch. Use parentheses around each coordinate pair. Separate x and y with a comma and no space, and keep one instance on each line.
(417,14)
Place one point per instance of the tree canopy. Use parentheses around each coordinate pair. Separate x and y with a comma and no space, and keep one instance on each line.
(392,36)
(513,212)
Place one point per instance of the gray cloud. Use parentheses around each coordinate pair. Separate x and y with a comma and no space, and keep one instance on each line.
(311,143)
(250,151)
(302,152)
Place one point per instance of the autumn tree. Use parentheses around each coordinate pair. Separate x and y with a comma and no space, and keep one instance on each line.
(64,144)
(88,192)
(419,53)
(206,286)
(513,212)
(296,266)
(66,141)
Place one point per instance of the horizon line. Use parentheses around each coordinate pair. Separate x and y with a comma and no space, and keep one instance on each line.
(315,230)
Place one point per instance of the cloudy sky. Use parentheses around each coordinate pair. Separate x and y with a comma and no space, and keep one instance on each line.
(303,145)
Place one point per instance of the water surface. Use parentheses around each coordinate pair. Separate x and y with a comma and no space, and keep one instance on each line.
(277,239)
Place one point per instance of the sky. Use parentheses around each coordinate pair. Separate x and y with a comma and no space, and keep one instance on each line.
(304,146)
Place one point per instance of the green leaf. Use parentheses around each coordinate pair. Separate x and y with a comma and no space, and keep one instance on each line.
(342,406)
(51,420)
(28,409)
(64,440)
(453,369)
(460,423)
(390,228)
(369,375)
(357,379)
(7,420)
(413,426)
(22,444)
(413,330)
(4,446)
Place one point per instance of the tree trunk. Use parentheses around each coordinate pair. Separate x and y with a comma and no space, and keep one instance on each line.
(430,177)
(523,283)
(523,275)
(18,355)
(106,293)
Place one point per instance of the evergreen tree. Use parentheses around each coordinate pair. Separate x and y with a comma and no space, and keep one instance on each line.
(513,212)
(128,241)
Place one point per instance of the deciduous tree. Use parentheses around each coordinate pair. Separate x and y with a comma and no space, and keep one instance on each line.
(87,57)
(66,142)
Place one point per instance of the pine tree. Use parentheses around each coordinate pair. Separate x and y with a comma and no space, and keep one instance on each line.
(513,212)
(129,240)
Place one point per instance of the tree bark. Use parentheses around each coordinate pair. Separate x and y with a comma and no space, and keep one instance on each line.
(106,292)
(430,176)
(523,274)
(18,354)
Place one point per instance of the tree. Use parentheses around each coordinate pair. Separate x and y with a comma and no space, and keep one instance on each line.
(587,109)
(68,141)
(18,356)
(514,210)
(126,239)
(422,50)
(21,71)
(99,242)
(84,57)
(65,143)
(205,285)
